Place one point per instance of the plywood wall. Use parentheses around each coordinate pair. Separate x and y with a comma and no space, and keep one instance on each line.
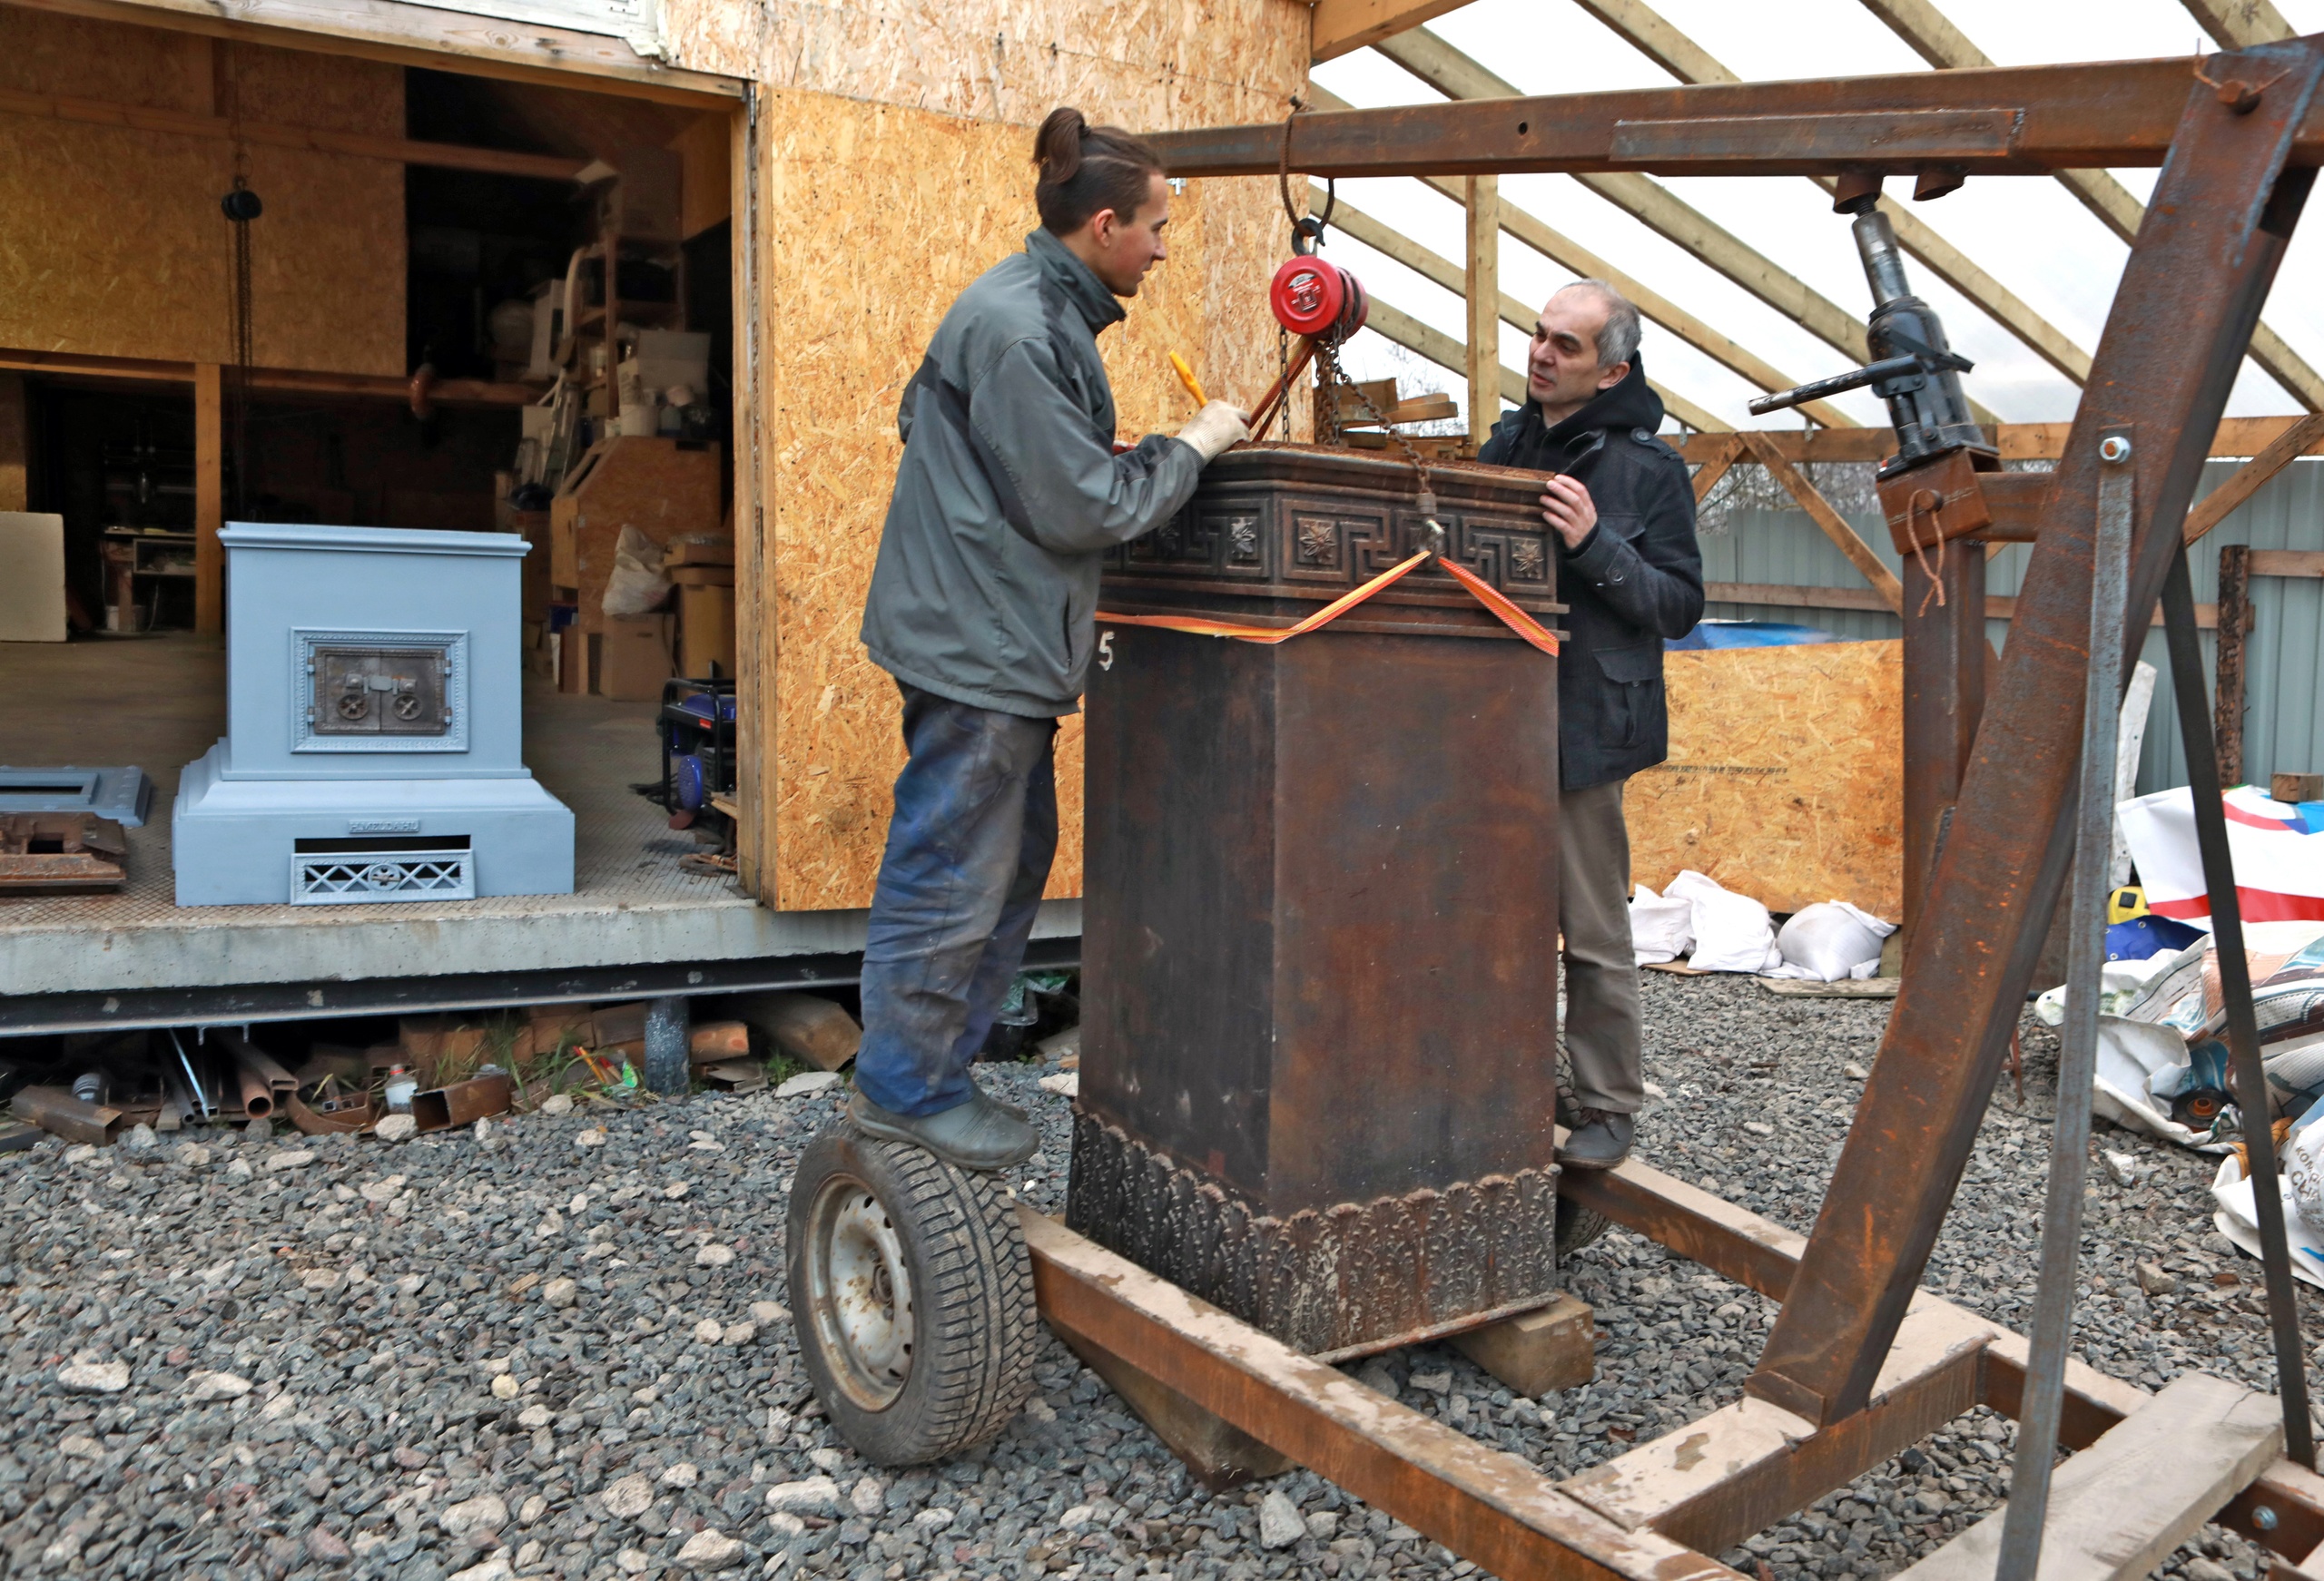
(892,170)
(114,243)
(1785,779)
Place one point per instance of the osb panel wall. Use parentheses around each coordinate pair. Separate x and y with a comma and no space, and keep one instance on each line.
(114,244)
(1785,779)
(906,206)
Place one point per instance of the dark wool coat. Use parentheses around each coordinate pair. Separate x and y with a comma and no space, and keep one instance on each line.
(1637,578)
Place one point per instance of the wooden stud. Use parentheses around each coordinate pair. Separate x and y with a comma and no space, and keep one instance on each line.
(14,440)
(1483,298)
(1551,1348)
(2236,437)
(1835,527)
(755,625)
(208,499)
(1790,596)
(1717,462)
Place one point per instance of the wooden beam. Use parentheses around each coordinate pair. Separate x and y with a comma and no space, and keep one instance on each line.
(2236,437)
(1936,41)
(2233,624)
(1571,255)
(1452,355)
(1655,37)
(2240,24)
(2246,480)
(450,392)
(16,443)
(316,139)
(1836,527)
(1342,27)
(1719,458)
(208,500)
(1458,76)
(1481,295)
(1790,596)
(421,35)
(1490,1507)
(2286,563)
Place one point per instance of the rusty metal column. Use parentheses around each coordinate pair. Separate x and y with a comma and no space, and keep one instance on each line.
(1944,696)
(2224,208)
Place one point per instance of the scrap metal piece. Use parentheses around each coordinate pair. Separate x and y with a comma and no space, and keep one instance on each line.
(265,1085)
(61,850)
(462,1103)
(59,1113)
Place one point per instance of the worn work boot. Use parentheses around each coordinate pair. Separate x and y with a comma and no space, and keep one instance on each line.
(978,1134)
(1601,1139)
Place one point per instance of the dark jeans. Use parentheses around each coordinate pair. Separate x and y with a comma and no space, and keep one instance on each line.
(968,852)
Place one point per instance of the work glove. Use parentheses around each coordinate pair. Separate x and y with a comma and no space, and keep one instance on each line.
(1213,429)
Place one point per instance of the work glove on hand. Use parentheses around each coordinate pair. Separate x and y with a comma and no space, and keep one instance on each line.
(1213,429)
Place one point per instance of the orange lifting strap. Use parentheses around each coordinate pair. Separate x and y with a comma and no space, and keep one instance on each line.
(1514,618)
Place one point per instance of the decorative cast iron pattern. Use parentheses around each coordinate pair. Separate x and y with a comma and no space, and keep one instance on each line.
(1280,522)
(1356,1274)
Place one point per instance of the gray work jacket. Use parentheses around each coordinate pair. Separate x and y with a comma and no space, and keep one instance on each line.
(1009,493)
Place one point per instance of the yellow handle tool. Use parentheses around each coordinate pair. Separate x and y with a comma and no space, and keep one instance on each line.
(1186,377)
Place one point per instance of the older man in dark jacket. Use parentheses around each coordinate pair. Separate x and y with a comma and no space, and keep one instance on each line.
(1632,574)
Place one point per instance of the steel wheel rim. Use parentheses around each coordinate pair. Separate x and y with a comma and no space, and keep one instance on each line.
(860,1291)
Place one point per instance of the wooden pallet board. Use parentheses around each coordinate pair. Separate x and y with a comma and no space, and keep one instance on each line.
(2119,1507)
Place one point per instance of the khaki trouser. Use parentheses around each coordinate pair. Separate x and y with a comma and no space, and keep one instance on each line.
(1602,1024)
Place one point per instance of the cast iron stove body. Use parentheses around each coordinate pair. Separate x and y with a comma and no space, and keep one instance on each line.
(1320,924)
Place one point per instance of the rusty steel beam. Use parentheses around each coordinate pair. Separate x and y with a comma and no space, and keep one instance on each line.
(2224,210)
(1486,1506)
(2008,121)
(1945,695)
(1762,1255)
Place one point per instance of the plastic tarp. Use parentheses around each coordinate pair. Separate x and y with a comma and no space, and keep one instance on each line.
(2277,849)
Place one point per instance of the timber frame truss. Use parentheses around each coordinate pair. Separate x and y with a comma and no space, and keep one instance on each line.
(1861,1362)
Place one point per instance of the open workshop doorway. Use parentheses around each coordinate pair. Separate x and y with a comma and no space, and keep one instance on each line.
(452,304)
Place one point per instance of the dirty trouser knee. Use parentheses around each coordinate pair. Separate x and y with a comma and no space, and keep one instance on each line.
(969,852)
(1602,1024)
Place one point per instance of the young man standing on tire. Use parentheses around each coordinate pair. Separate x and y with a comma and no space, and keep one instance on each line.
(1632,574)
(984,608)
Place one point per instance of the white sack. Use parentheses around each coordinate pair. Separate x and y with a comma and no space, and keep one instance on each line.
(1830,940)
(1733,933)
(1661,930)
(638,586)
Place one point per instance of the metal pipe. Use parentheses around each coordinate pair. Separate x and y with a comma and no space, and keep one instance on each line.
(2249,1078)
(2045,1373)
(192,1080)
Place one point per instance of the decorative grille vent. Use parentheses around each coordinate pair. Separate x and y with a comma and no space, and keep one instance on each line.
(353,877)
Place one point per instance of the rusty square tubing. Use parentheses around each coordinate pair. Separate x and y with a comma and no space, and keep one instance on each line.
(1762,1255)
(460,1104)
(2175,337)
(1997,120)
(1486,1506)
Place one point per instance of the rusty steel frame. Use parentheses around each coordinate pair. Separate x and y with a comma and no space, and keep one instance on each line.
(1860,1361)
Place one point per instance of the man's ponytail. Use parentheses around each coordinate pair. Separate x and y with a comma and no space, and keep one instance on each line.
(1084,169)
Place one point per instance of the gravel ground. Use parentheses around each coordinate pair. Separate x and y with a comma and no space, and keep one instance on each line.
(557,1350)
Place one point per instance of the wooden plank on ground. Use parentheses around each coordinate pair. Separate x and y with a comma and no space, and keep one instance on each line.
(2120,1507)
(1846,988)
(1486,1506)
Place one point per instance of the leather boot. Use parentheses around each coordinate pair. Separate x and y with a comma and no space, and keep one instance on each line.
(979,1134)
(1601,1139)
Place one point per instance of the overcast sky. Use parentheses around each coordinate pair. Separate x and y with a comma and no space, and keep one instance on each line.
(2027,231)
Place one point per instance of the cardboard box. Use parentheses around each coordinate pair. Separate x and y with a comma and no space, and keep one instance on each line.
(635,656)
(706,631)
